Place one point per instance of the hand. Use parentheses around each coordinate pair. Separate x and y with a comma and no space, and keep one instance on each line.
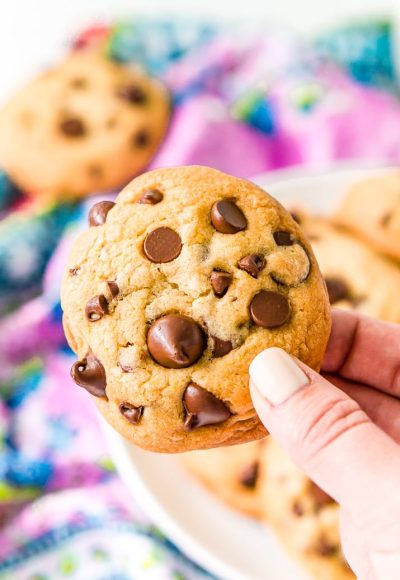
(343,429)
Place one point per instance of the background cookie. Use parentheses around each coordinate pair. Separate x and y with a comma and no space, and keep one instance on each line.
(356,275)
(89,124)
(171,293)
(304,517)
(371,208)
(231,473)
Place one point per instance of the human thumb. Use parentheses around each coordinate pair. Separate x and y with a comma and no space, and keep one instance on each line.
(327,434)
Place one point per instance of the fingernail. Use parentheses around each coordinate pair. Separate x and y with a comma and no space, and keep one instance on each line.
(276,375)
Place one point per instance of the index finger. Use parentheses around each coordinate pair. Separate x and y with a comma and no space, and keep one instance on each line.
(365,350)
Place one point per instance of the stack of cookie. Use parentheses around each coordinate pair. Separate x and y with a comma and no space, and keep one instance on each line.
(358,252)
(259,480)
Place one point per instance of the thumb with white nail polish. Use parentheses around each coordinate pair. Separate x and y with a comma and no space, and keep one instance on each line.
(330,437)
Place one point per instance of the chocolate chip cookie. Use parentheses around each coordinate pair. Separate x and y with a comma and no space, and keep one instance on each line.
(303,516)
(356,276)
(87,125)
(371,209)
(173,290)
(231,473)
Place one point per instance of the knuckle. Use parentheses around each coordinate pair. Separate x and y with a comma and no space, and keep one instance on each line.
(326,424)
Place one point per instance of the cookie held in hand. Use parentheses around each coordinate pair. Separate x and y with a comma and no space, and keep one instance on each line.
(87,125)
(172,297)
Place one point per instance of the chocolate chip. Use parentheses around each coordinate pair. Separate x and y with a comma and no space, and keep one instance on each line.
(125,368)
(113,288)
(283,238)
(95,171)
(320,496)
(131,413)
(202,408)
(79,83)
(269,309)
(151,196)
(220,282)
(325,548)
(296,217)
(141,139)
(162,245)
(221,347)
(89,373)
(175,341)
(72,127)
(252,264)
(132,94)
(298,509)
(337,289)
(96,308)
(98,213)
(227,218)
(249,476)
(74,271)
(385,219)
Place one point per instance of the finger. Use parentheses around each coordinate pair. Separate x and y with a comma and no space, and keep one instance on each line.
(354,547)
(365,350)
(382,409)
(329,437)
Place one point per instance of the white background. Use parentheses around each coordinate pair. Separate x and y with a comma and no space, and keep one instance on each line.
(32,31)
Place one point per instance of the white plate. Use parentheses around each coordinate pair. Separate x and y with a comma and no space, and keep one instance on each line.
(227,544)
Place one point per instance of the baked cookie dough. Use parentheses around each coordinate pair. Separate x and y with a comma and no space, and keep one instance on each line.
(170,294)
(87,125)
(356,276)
(302,515)
(371,209)
(231,473)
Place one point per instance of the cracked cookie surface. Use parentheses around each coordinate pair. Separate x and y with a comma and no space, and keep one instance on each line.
(170,344)
(89,124)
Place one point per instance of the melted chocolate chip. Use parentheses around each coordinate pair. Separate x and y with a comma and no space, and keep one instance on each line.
(74,271)
(249,476)
(96,308)
(176,341)
(133,94)
(220,282)
(337,290)
(202,408)
(252,264)
(131,413)
(221,347)
(162,245)
(151,196)
(283,238)
(269,309)
(72,127)
(89,373)
(98,213)
(113,288)
(227,218)
(141,139)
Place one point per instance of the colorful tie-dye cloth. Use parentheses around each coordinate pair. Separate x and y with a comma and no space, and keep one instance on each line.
(245,101)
